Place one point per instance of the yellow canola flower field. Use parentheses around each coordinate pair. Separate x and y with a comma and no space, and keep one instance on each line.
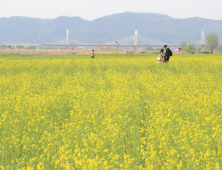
(111,112)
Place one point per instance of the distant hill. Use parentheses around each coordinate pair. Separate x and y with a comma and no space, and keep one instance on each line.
(158,27)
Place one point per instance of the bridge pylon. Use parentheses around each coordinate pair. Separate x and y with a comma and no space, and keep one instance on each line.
(67,37)
(136,42)
(203,38)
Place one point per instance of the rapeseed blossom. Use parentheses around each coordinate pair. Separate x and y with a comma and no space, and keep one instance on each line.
(113,112)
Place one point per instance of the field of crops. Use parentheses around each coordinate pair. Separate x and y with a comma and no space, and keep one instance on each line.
(111,112)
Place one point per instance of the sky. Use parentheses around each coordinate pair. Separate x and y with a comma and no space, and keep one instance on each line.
(93,9)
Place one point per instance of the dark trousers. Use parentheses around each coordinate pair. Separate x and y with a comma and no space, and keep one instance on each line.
(167,58)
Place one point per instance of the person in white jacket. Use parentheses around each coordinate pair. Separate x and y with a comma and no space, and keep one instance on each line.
(161,56)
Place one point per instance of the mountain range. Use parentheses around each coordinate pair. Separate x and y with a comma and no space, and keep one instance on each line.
(158,27)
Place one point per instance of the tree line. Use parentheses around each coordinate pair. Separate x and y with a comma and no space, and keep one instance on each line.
(211,45)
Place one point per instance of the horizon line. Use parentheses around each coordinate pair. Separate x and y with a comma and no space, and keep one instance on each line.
(169,17)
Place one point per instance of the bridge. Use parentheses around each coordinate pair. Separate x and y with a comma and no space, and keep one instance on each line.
(134,42)
(114,45)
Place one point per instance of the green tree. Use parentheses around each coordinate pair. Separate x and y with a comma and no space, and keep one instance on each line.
(189,49)
(158,49)
(183,44)
(31,47)
(20,46)
(198,49)
(212,42)
(2,46)
(150,48)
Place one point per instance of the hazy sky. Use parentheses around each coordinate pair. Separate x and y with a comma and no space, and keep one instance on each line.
(92,9)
